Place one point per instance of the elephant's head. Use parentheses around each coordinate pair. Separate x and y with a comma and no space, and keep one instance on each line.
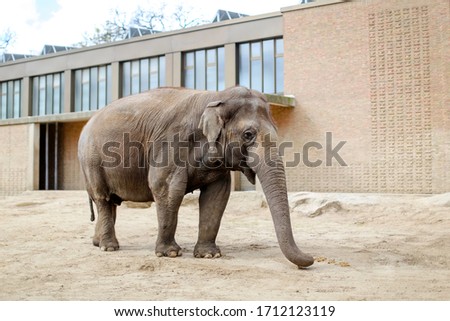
(239,127)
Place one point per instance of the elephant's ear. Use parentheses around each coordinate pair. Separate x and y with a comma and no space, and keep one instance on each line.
(211,123)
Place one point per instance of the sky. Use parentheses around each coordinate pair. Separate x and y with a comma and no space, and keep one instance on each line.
(36,23)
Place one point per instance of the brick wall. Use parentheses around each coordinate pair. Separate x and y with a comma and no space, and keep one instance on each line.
(13,159)
(372,73)
(70,176)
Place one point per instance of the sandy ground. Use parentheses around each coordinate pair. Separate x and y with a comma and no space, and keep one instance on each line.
(367,247)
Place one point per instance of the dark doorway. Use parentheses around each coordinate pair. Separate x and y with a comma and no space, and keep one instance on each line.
(48,157)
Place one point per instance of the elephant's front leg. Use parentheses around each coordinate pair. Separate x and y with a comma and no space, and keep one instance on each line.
(213,200)
(167,225)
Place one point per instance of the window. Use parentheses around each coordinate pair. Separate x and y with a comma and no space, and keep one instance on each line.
(92,88)
(48,94)
(205,69)
(144,74)
(10,92)
(261,65)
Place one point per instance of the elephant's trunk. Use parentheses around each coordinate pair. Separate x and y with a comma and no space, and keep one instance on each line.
(270,171)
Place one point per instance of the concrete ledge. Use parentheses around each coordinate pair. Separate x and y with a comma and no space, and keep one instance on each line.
(58,118)
(317,3)
(281,101)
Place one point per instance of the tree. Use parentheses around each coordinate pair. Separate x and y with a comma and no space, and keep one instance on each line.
(113,29)
(7,37)
(117,28)
(182,17)
(152,20)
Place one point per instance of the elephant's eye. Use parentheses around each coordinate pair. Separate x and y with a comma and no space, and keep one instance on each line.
(248,135)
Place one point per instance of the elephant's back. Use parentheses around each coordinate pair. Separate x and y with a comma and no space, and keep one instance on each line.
(147,111)
(155,100)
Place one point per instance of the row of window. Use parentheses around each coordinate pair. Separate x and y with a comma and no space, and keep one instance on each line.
(260,67)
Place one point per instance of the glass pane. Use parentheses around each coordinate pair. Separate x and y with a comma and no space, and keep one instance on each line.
(162,71)
(94,88)
(244,65)
(211,70)
(126,79)
(200,70)
(4,99)
(78,90)
(189,80)
(10,92)
(144,73)
(35,103)
(221,68)
(279,66)
(280,75)
(256,50)
(211,56)
(101,87)
(256,66)
(42,94)
(108,85)
(269,66)
(17,85)
(154,74)
(57,93)
(135,86)
(279,46)
(61,101)
(189,60)
(85,87)
(49,94)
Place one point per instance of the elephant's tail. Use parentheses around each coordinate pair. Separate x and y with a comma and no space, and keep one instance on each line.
(92,210)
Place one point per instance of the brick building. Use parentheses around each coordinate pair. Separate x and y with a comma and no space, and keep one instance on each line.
(373,74)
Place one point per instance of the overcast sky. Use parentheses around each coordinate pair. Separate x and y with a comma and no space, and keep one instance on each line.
(63,22)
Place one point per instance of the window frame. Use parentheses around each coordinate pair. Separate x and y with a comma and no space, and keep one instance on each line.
(92,87)
(252,62)
(47,94)
(201,72)
(140,75)
(10,99)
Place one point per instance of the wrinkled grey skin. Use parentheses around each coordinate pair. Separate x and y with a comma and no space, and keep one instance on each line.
(236,116)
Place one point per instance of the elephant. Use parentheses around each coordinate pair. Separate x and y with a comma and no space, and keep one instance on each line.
(159,145)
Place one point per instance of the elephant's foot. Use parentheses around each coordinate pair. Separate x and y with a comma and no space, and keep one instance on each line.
(171,250)
(207,250)
(107,244)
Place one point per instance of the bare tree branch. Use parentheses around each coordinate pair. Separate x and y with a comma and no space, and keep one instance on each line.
(117,28)
(113,29)
(184,18)
(149,19)
(7,37)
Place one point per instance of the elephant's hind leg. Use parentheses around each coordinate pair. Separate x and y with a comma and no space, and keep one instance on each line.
(105,235)
(168,195)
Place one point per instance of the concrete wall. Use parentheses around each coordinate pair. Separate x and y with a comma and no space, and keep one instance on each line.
(376,75)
